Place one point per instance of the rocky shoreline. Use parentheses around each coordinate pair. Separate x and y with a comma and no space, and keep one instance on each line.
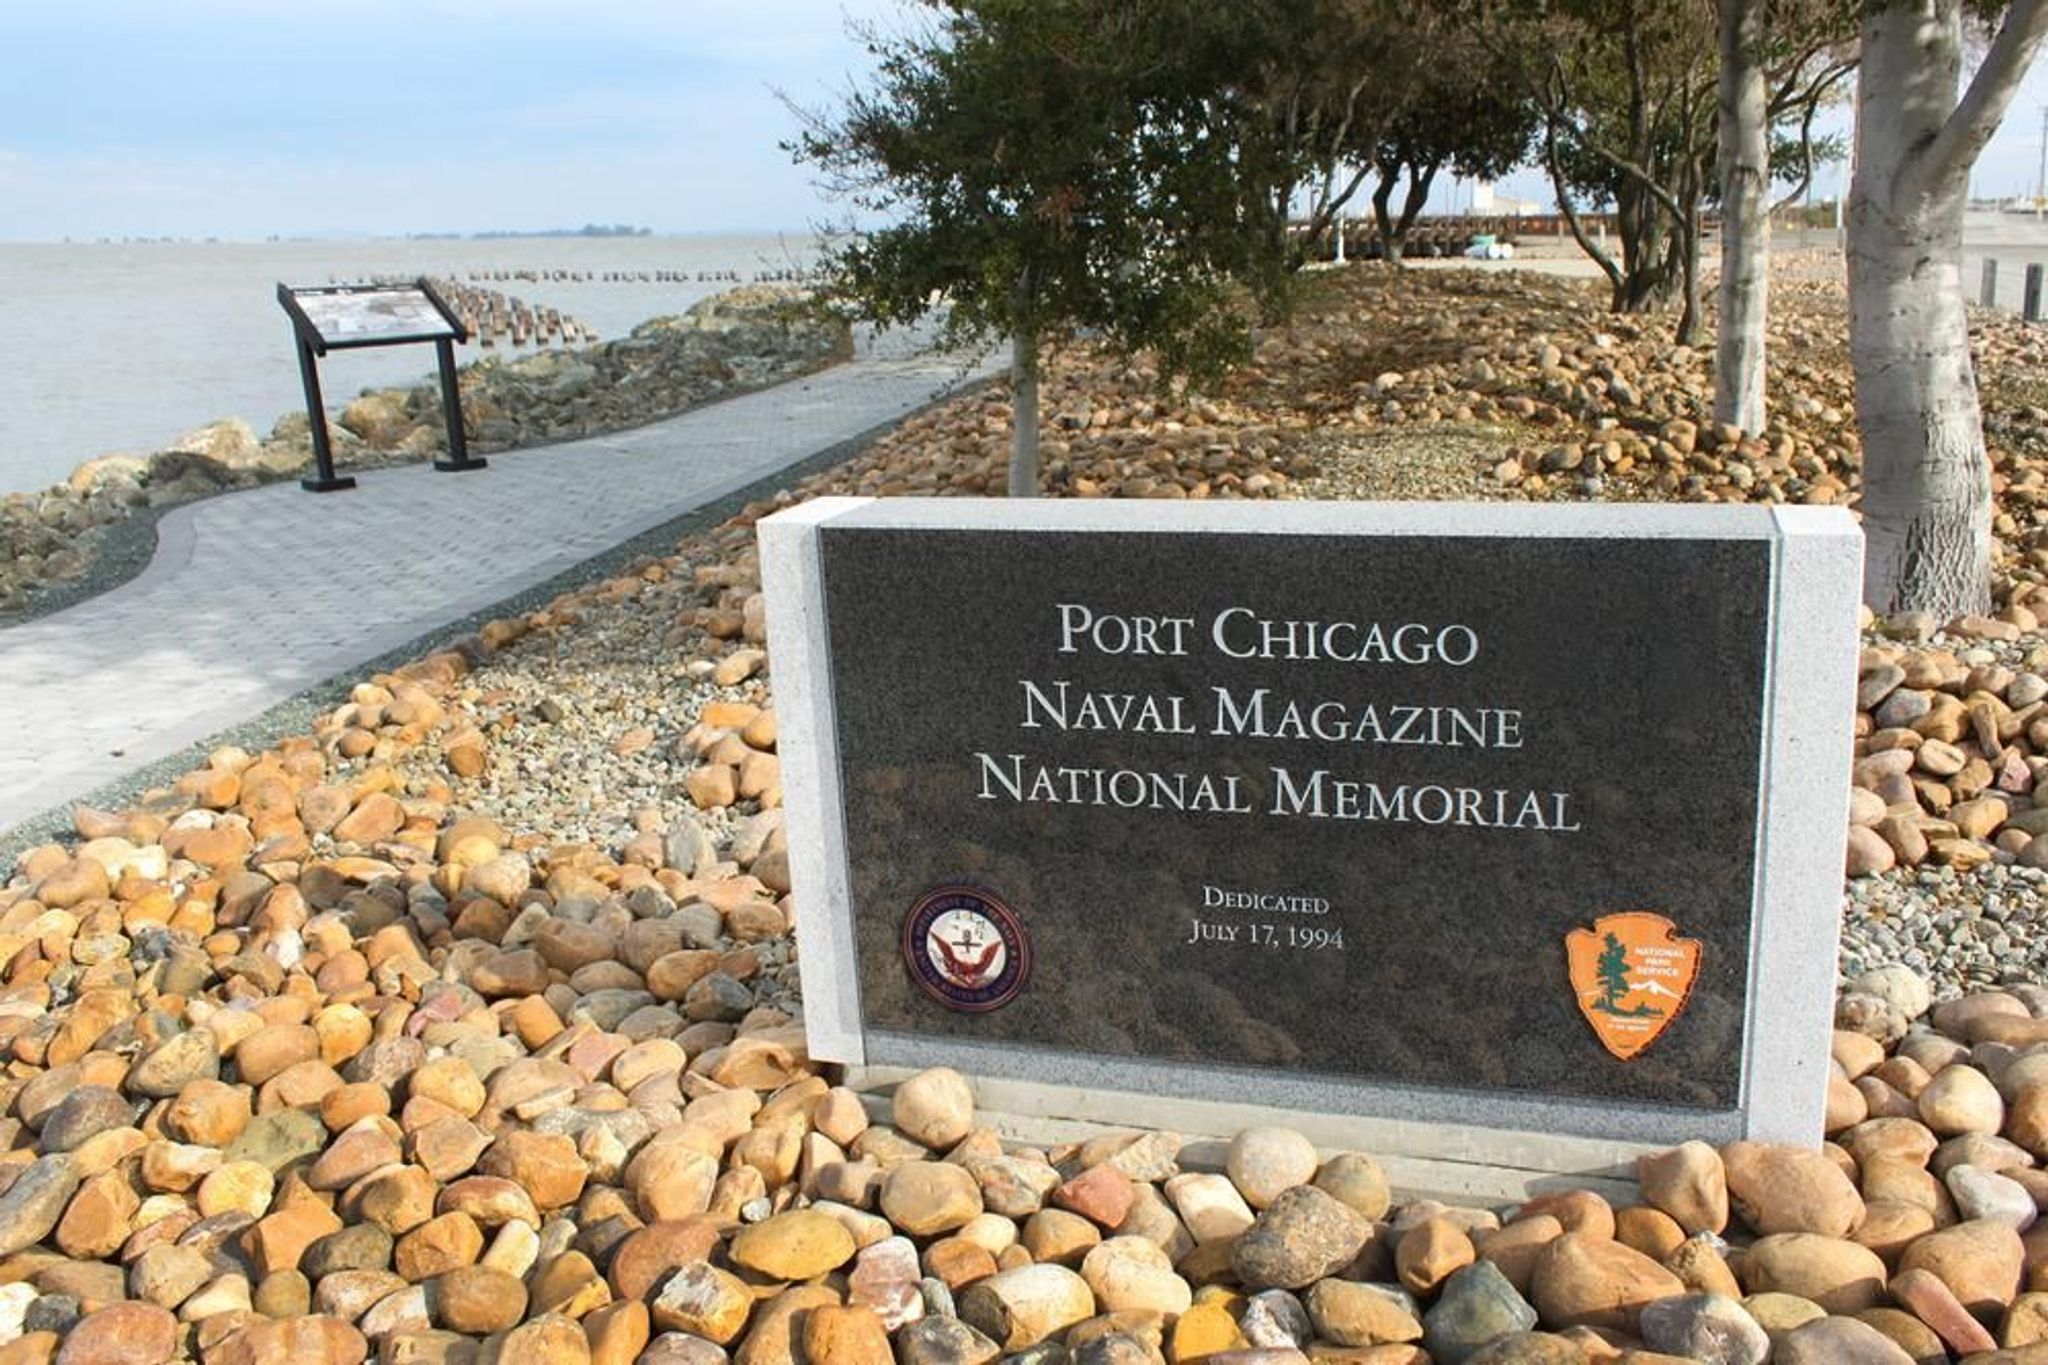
(464,1026)
(744,339)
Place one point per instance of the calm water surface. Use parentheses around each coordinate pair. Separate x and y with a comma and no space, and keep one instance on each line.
(122,347)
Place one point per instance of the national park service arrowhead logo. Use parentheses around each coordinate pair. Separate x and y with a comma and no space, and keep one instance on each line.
(1632,975)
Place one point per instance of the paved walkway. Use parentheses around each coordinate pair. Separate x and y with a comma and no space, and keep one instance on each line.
(255,596)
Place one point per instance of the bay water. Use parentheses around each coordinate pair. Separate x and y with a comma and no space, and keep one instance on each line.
(122,346)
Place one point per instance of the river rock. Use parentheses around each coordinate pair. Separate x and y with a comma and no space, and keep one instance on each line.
(122,1334)
(704,1301)
(1982,1194)
(31,1206)
(1132,1273)
(934,1107)
(1839,1275)
(1477,1305)
(1705,1327)
(1351,1313)
(924,1198)
(944,1341)
(1837,1341)
(798,1245)
(1689,1183)
(1980,1261)
(1780,1188)
(1019,1308)
(1961,1099)
(1581,1280)
(1265,1162)
(1300,1237)
(167,1069)
(1358,1181)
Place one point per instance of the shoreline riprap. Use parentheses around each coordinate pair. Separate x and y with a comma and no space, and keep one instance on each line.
(734,342)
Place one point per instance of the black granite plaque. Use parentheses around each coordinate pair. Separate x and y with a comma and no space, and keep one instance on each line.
(1118,736)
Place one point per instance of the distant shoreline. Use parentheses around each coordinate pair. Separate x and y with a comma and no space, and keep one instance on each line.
(340,237)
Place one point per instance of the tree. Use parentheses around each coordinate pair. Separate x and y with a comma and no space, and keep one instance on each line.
(1780,59)
(1625,90)
(1466,114)
(1926,477)
(1613,972)
(1628,90)
(1045,165)
(1745,177)
(1313,85)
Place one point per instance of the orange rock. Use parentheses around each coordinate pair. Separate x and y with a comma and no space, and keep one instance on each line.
(1781,1188)
(1980,1262)
(209,1113)
(121,1334)
(264,1054)
(846,1336)
(477,1299)
(437,1246)
(648,1256)
(99,1218)
(546,1165)
(1101,1194)
(278,1239)
(1594,1282)
(1430,1252)
(314,1340)
(617,1333)
(376,817)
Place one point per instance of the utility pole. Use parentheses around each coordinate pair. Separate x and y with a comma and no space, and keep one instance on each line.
(2041,178)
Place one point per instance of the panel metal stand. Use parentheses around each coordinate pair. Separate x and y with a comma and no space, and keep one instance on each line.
(324,479)
(459,457)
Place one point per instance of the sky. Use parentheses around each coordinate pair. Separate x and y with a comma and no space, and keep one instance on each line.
(249,118)
(245,118)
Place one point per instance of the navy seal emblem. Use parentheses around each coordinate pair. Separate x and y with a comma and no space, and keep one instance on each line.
(966,949)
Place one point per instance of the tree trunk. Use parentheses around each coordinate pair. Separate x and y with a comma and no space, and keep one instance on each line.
(1745,218)
(1926,479)
(1645,283)
(1420,178)
(1391,242)
(1647,264)
(1686,251)
(1023,413)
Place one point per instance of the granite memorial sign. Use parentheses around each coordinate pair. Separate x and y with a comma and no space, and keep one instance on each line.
(1519,816)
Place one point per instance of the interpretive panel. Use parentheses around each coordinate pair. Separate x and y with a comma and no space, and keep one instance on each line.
(379,316)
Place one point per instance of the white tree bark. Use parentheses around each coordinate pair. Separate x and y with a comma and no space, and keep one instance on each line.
(1926,479)
(1023,414)
(1745,218)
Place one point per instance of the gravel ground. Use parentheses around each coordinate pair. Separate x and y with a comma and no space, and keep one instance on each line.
(1958,930)
(1398,464)
(1986,926)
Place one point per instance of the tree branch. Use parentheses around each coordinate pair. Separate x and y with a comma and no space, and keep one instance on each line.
(1665,199)
(1805,157)
(1976,116)
(1570,210)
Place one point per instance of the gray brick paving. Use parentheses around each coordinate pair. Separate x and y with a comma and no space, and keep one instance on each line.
(255,596)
